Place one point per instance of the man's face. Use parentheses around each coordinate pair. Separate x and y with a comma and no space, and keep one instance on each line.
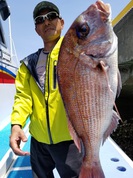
(49,30)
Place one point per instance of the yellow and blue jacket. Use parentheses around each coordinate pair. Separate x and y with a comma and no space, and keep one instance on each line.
(46,110)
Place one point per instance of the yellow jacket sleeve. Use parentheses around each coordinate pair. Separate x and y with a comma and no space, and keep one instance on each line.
(23,101)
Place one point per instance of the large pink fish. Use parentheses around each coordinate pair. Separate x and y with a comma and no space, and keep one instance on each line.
(89,81)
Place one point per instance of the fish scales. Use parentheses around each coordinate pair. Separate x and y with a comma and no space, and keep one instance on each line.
(88,99)
(88,80)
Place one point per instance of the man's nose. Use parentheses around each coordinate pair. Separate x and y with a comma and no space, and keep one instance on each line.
(46,21)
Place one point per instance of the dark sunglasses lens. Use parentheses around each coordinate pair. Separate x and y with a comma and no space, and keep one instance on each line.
(52,16)
(39,20)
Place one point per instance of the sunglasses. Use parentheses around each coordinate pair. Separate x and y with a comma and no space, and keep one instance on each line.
(49,16)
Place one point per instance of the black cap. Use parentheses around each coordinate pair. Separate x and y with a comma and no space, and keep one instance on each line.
(44,5)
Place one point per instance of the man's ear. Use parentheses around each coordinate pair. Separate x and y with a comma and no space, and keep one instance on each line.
(62,23)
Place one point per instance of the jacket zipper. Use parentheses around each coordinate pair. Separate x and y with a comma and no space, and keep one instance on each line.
(46,101)
(47,108)
(48,124)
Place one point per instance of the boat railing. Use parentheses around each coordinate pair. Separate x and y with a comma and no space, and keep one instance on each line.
(7,64)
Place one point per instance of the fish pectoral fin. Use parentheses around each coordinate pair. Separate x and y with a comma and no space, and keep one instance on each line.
(112,127)
(74,135)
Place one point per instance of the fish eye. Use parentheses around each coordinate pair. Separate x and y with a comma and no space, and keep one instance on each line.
(82,31)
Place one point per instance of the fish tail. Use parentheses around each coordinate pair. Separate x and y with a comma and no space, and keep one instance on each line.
(91,172)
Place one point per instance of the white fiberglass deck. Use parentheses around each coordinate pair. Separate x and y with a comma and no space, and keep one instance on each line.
(115,163)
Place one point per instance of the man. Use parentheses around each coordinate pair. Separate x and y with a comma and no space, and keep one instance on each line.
(37,96)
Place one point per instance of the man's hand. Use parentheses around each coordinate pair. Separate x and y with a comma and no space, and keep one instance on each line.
(18,135)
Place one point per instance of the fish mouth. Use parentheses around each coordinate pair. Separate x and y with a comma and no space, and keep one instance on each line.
(104,9)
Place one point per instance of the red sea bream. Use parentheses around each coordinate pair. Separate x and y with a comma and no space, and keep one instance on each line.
(89,81)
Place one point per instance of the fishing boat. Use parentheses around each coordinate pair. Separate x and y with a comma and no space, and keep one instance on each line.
(8,69)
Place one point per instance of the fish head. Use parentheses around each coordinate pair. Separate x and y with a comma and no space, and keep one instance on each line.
(93,20)
(91,34)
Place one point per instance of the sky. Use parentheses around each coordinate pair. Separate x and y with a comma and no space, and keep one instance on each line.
(24,38)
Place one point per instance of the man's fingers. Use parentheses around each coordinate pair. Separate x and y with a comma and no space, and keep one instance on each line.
(20,152)
(16,137)
(24,138)
(15,145)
